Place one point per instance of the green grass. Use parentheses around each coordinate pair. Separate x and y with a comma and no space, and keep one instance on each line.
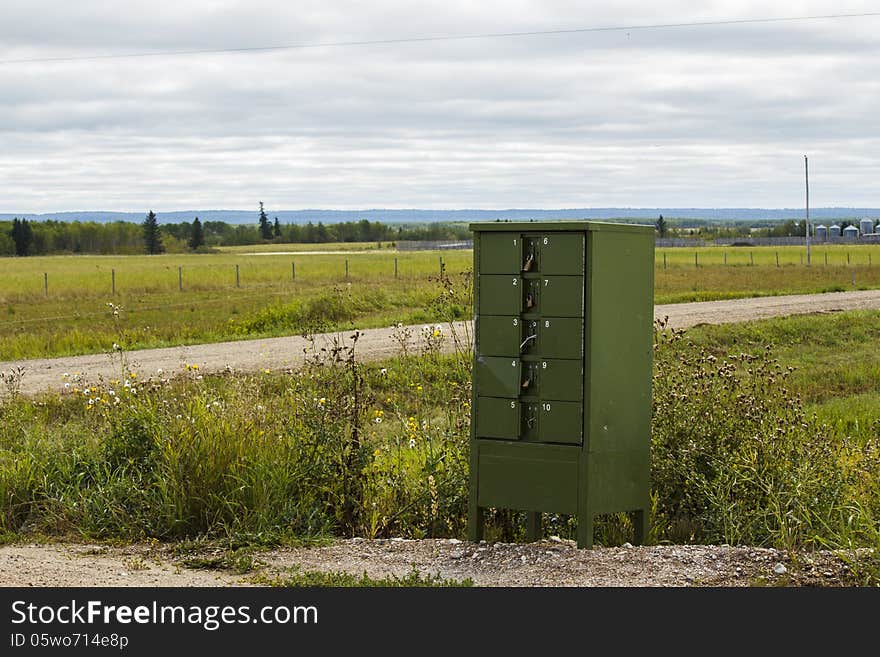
(765,256)
(75,317)
(681,280)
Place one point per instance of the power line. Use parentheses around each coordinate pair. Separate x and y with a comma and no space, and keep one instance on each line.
(426,39)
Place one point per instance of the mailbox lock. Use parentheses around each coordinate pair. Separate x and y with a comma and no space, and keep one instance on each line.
(530,260)
(530,301)
(533,336)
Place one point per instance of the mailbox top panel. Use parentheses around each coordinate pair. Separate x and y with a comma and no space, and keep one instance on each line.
(545,226)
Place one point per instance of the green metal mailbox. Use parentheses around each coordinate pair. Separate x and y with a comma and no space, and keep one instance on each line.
(562,372)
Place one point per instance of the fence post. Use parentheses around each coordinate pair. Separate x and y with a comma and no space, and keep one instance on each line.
(752,258)
(826,259)
(664,260)
(777,258)
(395,268)
(46,282)
(725,258)
(292,270)
(847,257)
(237,277)
(696,262)
(346,269)
(113,281)
(180,279)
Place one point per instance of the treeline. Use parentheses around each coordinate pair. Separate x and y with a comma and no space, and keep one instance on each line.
(22,237)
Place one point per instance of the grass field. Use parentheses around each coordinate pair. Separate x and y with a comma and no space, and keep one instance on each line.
(710,273)
(187,299)
(265,299)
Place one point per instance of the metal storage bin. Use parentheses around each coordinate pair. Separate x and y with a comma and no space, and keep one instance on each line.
(562,371)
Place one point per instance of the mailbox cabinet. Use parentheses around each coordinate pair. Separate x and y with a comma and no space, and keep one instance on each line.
(562,371)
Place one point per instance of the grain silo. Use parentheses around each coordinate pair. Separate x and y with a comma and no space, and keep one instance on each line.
(820,232)
(834,231)
(851,233)
(866,226)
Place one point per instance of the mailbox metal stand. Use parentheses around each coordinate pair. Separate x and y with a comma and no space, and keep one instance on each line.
(561,417)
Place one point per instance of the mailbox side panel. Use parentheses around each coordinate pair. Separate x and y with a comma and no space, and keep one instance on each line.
(619,345)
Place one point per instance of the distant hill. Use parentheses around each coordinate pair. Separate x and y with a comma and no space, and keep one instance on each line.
(427,216)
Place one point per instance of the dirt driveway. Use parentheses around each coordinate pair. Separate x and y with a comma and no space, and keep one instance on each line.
(376,344)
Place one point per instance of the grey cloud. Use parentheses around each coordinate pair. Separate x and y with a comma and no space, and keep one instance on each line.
(712,116)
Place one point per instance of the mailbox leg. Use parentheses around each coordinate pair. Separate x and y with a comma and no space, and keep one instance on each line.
(640,526)
(475,523)
(585,529)
(533,526)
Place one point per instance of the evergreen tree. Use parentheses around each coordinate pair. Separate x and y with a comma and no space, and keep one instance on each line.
(152,235)
(276,230)
(265,226)
(197,236)
(661,226)
(22,236)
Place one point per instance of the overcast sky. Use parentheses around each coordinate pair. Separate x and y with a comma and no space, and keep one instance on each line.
(717,116)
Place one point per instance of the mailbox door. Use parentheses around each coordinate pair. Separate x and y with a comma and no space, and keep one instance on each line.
(562,253)
(498,377)
(561,380)
(561,296)
(501,295)
(500,253)
(560,422)
(560,337)
(499,335)
(498,418)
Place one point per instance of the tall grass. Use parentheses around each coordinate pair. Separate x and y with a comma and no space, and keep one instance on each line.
(343,448)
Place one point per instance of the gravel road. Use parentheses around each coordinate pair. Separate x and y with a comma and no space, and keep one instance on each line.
(42,375)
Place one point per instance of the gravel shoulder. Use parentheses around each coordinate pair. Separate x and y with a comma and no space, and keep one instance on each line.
(45,375)
(547,563)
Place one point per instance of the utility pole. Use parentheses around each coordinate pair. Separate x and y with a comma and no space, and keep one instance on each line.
(807,183)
